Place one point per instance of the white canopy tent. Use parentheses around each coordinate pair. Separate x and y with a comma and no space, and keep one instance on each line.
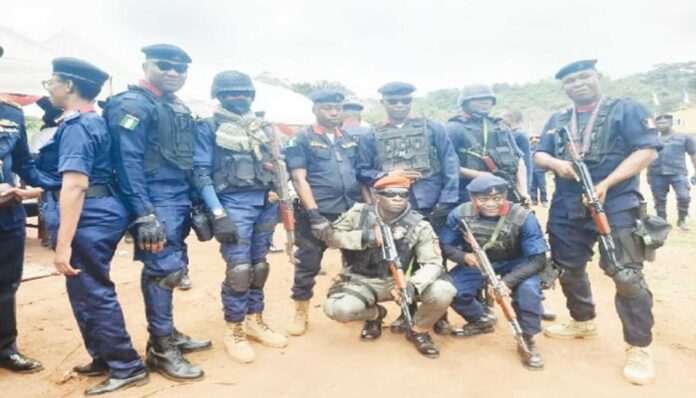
(26,63)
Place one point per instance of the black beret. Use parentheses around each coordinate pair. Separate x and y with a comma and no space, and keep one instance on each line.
(664,116)
(353,105)
(326,96)
(74,68)
(397,88)
(487,185)
(166,52)
(576,66)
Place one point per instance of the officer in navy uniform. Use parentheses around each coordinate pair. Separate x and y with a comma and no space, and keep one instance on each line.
(86,221)
(515,245)
(14,158)
(154,142)
(321,160)
(475,133)
(670,170)
(537,185)
(416,148)
(234,176)
(617,140)
(352,118)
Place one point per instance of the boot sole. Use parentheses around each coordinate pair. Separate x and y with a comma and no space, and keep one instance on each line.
(570,337)
(187,351)
(138,383)
(153,367)
(24,371)
(466,336)
(265,343)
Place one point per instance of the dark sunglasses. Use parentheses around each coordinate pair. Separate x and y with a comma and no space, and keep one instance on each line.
(224,94)
(165,66)
(393,194)
(394,101)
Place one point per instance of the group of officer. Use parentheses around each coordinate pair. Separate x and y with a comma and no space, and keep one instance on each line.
(147,163)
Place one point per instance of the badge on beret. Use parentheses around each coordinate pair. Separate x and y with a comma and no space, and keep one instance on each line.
(129,122)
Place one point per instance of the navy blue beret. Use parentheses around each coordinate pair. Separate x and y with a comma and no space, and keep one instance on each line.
(396,88)
(326,96)
(353,105)
(487,185)
(576,66)
(74,68)
(166,52)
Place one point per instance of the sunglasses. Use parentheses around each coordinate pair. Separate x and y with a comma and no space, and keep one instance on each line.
(394,101)
(393,194)
(165,66)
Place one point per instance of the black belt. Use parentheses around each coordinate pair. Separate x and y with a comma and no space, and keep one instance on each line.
(94,191)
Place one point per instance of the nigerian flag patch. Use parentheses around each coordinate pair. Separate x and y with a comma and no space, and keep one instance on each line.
(129,122)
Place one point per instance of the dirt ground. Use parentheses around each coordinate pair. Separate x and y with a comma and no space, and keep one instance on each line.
(330,360)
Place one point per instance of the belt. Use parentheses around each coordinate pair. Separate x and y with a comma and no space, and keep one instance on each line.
(94,191)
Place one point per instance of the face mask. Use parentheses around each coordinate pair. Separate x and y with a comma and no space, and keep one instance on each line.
(240,106)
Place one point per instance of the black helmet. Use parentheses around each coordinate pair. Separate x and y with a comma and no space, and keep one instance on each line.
(231,80)
(475,91)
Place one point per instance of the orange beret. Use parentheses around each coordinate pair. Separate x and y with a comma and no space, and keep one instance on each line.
(392,182)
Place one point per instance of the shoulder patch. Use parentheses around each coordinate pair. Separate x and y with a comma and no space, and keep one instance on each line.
(129,122)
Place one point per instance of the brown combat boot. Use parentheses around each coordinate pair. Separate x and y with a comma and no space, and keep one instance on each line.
(257,329)
(299,318)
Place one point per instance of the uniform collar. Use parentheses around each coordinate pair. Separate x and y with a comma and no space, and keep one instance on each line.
(586,108)
(320,130)
(149,87)
(72,113)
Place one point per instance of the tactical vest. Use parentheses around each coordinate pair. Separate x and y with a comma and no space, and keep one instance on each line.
(499,146)
(240,154)
(600,137)
(507,244)
(407,148)
(368,262)
(176,132)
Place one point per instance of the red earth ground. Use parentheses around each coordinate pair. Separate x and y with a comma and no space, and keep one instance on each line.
(330,361)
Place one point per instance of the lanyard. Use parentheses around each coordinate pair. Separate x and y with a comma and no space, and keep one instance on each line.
(587,136)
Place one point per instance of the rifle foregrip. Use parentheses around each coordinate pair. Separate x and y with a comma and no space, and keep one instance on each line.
(287,216)
(602,222)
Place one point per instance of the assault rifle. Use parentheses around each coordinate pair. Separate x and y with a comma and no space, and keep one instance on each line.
(499,292)
(287,214)
(385,239)
(517,196)
(599,216)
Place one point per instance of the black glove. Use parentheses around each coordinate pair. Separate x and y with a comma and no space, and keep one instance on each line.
(150,233)
(438,216)
(369,238)
(693,180)
(224,229)
(320,226)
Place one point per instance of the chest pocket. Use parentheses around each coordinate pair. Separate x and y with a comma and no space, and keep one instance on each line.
(350,150)
(320,151)
(8,139)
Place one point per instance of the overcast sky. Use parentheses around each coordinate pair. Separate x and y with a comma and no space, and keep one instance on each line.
(433,44)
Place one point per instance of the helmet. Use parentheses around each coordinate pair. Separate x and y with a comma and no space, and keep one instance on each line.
(475,91)
(231,80)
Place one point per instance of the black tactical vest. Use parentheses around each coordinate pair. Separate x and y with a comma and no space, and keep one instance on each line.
(176,132)
(408,148)
(507,245)
(238,166)
(498,147)
(368,262)
(600,137)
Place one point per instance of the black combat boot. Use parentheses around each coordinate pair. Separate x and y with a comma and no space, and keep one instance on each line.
(373,329)
(681,222)
(533,360)
(424,343)
(442,326)
(186,344)
(485,324)
(94,368)
(399,325)
(165,357)
(111,384)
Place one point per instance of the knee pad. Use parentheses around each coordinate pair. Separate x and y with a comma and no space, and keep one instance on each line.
(630,283)
(238,277)
(169,281)
(260,271)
